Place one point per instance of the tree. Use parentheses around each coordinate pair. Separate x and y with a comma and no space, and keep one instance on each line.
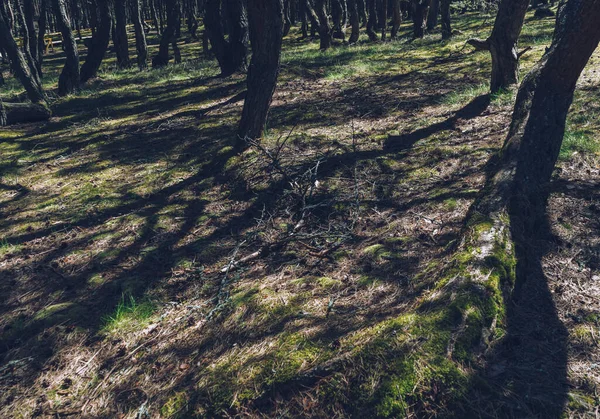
(69,77)
(266,33)
(120,38)
(502,43)
(446,23)
(140,35)
(32,85)
(230,54)
(98,43)
(169,36)
(420,10)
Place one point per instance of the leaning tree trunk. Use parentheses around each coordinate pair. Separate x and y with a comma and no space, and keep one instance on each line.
(69,77)
(230,54)
(494,258)
(20,67)
(420,11)
(23,17)
(121,44)
(446,23)
(140,36)
(42,25)
(98,43)
(169,35)
(29,11)
(266,33)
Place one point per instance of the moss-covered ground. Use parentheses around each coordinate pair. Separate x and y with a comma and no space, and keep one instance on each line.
(125,216)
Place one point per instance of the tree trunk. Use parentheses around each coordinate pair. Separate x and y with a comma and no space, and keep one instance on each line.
(420,12)
(120,39)
(18,113)
(503,43)
(98,43)
(396,18)
(354,21)
(338,15)
(432,16)
(266,33)
(382,9)
(29,16)
(26,37)
(446,23)
(20,67)
(140,36)
(325,33)
(169,35)
(43,24)
(69,77)
(230,54)
(238,36)
(372,20)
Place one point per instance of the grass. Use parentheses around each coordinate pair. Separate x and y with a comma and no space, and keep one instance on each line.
(129,315)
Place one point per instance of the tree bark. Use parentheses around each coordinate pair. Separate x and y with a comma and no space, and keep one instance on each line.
(432,16)
(325,33)
(420,12)
(446,22)
(266,33)
(372,20)
(230,54)
(503,43)
(140,36)
(396,18)
(169,36)
(43,24)
(68,80)
(20,67)
(98,43)
(18,113)
(238,37)
(120,39)
(354,21)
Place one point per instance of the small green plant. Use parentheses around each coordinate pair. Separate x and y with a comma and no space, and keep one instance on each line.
(128,315)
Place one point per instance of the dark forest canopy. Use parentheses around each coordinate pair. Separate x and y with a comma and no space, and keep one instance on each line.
(299,208)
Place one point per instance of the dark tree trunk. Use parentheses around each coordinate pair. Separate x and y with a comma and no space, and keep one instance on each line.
(29,13)
(396,18)
(338,15)
(420,11)
(432,16)
(238,37)
(382,9)
(18,113)
(169,35)
(503,43)
(140,36)
(154,15)
(287,21)
(231,55)
(446,23)
(325,33)
(372,20)
(27,47)
(69,77)
(98,43)
(266,33)
(43,24)
(20,67)
(354,21)
(120,39)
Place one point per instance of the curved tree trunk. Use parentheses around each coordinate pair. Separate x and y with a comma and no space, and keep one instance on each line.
(266,33)
(121,44)
(98,43)
(230,54)
(43,23)
(372,20)
(24,17)
(20,67)
(69,77)
(140,36)
(18,113)
(325,33)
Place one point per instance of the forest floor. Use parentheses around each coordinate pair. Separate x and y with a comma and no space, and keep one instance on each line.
(147,271)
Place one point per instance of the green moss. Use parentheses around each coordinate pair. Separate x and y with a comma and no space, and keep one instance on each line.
(52,310)
(175,406)
(396,391)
